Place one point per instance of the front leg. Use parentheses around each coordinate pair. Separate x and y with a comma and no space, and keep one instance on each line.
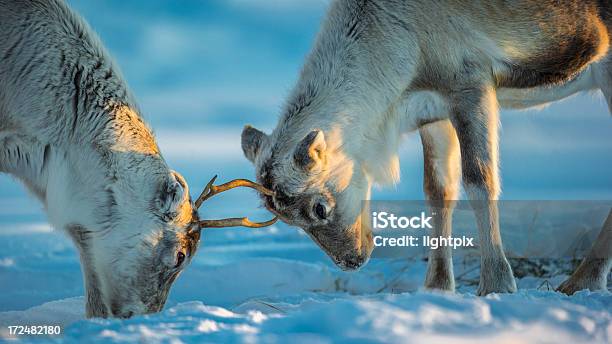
(26,159)
(442,169)
(474,114)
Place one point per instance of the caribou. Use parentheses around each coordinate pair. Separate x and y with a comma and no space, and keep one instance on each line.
(71,131)
(380,69)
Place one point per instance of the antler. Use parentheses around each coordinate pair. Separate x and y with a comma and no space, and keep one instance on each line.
(211,190)
(236,221)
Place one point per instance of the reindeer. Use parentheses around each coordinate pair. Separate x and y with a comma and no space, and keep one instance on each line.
(70,130)
(382,68)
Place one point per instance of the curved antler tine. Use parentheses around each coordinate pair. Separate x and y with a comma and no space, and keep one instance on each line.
(235,222)
(205,192)
(243,182)
(211,189)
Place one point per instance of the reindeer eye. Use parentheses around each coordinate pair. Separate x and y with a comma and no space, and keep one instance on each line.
(180,258)
(321,211)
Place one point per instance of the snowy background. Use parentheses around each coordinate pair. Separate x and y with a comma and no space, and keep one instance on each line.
(201,71)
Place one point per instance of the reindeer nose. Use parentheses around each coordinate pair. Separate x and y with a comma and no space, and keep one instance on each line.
(351,262)
(123,315)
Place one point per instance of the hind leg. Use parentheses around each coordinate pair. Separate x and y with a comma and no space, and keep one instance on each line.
(592,273)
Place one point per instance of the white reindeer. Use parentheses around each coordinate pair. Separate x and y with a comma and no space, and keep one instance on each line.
(383,68)
(71,131)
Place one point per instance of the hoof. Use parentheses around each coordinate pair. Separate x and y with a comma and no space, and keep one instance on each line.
(590,274)
(440,275)
(569,287)
(496,277)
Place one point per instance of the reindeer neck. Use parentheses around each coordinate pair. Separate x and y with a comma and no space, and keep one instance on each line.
(348,87)
(121,165)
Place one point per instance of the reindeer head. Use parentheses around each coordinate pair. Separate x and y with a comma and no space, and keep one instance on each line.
(130,267)
(316,187)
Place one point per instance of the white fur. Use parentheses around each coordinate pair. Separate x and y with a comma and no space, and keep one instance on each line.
(379,70)
(71,131)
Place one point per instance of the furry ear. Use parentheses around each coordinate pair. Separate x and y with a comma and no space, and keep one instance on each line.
(172,195)
(252,140)
(310,152)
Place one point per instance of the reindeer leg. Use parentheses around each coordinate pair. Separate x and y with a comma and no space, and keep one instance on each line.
(592,273)
(474,114)
(441,185)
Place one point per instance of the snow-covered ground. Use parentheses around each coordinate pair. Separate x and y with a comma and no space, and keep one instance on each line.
(526,317)
(203,69)
(274,285)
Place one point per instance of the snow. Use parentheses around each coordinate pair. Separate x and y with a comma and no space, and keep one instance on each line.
(527,316)
(426,317)
(204,69)
(273,285)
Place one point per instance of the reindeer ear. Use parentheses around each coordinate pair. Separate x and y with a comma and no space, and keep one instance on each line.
(252,140)
(172,195)
(310,152)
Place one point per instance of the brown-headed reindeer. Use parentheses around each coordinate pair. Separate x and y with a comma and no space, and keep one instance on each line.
(71,131)
(382,68)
